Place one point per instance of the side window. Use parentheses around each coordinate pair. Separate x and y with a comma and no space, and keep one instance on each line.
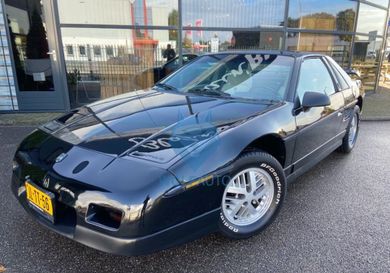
(340,74)
(314,77)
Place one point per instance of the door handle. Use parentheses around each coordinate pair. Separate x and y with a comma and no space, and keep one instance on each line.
(53,54)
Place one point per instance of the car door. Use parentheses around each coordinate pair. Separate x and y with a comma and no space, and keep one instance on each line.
(318,128)
(349,92)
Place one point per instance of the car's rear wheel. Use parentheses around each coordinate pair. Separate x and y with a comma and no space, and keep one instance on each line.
(352,133)
(253,196)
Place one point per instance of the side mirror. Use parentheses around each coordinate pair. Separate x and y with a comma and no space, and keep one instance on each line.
(315,99)
(354,74)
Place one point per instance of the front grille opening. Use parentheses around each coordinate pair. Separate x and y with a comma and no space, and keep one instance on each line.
(104,217)
(67,216)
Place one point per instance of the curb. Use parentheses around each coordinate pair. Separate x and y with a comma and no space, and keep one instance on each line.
(375,119)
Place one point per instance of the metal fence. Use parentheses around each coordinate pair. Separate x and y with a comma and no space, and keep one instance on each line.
(93,62)
(101,71)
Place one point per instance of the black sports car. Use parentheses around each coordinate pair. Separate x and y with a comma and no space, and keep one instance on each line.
(209,148)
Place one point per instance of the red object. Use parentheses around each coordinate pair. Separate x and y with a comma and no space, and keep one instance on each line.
(133,20)
(199,23)
(145,18)
(145,11)
(142,42)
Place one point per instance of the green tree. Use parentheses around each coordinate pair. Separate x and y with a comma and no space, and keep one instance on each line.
(173,20)
(345,21)
(291,22)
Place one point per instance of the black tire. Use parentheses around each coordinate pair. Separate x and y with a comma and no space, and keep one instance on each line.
(347,146)
(268,163)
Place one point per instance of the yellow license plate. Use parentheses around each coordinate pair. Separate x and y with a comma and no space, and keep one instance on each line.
(40,199)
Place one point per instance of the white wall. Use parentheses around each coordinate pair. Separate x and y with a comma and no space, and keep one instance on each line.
(113,12)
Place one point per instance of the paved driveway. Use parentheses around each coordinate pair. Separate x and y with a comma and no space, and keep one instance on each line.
(336,219)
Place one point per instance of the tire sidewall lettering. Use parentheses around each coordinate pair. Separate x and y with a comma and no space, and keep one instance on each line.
(276,177)
(227,224)
(277,198)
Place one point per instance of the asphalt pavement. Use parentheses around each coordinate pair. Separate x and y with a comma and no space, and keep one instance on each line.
(336,218)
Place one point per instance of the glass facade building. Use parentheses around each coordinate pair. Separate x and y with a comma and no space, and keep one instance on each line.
(59,54)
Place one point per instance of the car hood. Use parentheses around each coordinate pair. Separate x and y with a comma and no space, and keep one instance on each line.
(151,125)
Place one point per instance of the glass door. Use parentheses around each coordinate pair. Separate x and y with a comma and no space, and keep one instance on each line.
(35,48)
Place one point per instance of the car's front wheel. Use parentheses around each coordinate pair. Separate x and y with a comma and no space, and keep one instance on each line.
(253,196)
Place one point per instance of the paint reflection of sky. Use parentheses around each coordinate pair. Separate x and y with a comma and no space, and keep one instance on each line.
(233,13)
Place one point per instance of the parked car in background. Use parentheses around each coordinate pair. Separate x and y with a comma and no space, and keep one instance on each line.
(371,55)
(150,76)
(161,72)
(209,148)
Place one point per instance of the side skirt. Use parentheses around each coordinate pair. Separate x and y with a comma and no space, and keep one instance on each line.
(322,155)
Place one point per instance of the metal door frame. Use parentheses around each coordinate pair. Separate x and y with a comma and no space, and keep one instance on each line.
(53,101)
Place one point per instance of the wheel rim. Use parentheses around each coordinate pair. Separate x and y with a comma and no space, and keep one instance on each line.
(248,196)
(353,130)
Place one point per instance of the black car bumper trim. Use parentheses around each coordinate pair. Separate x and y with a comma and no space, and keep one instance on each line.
(172,236)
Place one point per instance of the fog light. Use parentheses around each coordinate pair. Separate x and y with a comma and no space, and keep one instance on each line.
(104,217)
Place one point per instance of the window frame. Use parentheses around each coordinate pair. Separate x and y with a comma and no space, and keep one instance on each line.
(321,58)
(69,50)
(109,51)
(80,47)
(338,78)
(97,51)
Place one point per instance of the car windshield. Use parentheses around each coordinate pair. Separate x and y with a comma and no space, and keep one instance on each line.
(243,76)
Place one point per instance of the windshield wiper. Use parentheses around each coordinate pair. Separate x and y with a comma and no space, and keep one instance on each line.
(166,86)
(209,92)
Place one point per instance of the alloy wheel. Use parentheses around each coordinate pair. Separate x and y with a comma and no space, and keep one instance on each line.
(248,196)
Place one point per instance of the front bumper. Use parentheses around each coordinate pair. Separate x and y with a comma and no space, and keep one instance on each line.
(68,226)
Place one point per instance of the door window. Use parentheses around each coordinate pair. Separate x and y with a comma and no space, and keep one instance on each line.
(314,77)
(340,74)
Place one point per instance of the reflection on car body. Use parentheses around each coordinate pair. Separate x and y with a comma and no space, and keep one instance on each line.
(210,148)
